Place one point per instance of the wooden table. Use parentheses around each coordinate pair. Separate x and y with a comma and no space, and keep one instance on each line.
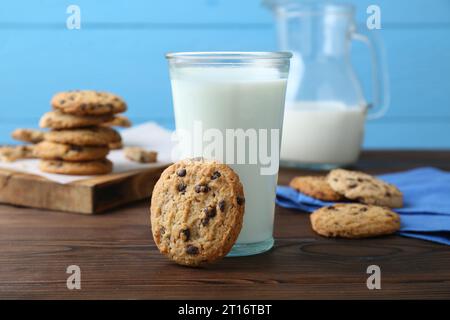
(118,259)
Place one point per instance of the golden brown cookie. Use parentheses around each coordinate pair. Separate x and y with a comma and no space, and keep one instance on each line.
(88,102)
(119,121)
(116,145)
(57,151)
(92,136)
(29,135)
(364,188)
(58,120)
(77,168)
(316,187)
(13,153)
(197,211)
(353,220)
(140,155)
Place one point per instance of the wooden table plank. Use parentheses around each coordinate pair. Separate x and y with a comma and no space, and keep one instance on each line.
(119,260)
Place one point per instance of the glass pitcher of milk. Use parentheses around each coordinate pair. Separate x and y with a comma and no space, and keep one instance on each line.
(325,106)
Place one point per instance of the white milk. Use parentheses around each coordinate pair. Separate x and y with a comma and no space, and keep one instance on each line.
(325,132)
(220,99)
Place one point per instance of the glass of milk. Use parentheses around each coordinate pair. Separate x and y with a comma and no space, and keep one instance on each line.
(229,107)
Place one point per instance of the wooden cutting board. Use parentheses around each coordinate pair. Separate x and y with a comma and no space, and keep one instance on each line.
(87,196)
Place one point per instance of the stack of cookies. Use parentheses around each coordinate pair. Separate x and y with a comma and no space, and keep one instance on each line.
(370,216)
(81,135)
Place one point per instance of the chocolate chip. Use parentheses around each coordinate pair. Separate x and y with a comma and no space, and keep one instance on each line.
(162,230)
(190,249)
(210,212)
(205,221)
(215,175)
(181,187)
(352,185)
(186,234)
(331,208)
(62,101)
(76,148)
(222,205)
(201,188)
(181,172)
(240,200)
(364,209)
(388,194)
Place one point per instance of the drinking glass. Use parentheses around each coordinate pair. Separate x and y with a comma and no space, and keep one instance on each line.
(229,107)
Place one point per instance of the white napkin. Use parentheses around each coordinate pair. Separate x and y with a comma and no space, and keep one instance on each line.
(149,135)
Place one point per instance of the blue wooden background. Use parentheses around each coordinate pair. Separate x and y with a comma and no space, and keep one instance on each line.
(121,47)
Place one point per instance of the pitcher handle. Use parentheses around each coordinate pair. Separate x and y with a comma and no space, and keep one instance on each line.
(380,79)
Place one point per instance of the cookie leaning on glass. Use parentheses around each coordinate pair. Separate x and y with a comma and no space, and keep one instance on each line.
(197,210)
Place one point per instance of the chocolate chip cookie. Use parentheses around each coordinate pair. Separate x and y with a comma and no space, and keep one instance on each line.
(140,155)
(116,145)
(88,102)
(92,136)
(57,151)
(58,120)
(364,188)
(77,168)
(316,187)
(29,135)
(353,220)
(119,121)
(197,211)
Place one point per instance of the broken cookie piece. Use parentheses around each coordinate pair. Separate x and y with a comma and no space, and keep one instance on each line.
(140,155)
(29,135)
(13,153)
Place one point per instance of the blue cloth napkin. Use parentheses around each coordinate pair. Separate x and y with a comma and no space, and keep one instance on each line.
(426,211)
